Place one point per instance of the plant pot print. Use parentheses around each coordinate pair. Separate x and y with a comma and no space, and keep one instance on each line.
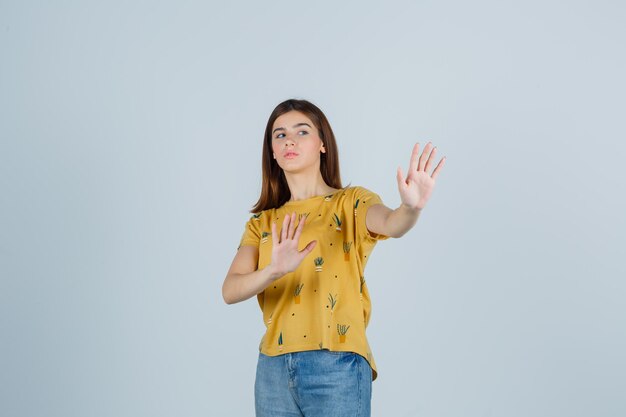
(337,222)
(296,295)
(280,342)
(318,264)
(355,206)
(342,329)
(256,216)
(264,236)
(346,251)
(333,301)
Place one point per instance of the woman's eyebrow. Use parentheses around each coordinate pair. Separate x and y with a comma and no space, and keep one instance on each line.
(294,126)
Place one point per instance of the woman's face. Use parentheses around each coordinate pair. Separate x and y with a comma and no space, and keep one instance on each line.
(295,142)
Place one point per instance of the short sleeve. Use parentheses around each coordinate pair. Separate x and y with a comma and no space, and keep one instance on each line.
(362,200)
(251,234)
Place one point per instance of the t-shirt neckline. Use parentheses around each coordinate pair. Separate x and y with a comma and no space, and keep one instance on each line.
(310,199)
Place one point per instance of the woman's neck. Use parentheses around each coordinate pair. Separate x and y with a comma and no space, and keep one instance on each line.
(303,187)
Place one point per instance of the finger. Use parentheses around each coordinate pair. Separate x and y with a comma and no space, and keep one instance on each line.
(422,162)
(308,248)
(300,227)
(438,168)
(283,231)
(292,222)
(430,159)
(414,155)
(400,178)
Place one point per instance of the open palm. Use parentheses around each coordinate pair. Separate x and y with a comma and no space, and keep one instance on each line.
(417,187)
(285,254)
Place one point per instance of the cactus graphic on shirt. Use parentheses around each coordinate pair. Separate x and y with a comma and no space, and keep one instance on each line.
(355,206)
(342,329)
(328,197)
(280,342)
(296,294)
(337,222)
(256,216)
(333,301)
(361,288)
(318,263)
(264,236)
(301,215)
(346,251)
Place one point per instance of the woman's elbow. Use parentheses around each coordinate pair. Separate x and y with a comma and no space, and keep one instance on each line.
(226,294)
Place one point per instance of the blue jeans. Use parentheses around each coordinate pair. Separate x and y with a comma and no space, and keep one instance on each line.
(313,383)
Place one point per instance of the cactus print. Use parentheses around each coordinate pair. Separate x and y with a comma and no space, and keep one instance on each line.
(324,303)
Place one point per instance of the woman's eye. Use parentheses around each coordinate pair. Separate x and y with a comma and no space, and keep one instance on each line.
(302,131)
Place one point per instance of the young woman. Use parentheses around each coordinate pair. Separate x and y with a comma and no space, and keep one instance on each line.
(308,275)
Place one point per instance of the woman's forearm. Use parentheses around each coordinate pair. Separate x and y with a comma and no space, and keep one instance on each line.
(240,287)
(401,220)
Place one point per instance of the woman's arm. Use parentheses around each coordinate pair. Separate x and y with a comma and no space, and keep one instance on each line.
(243,279)
(382,220)
(240,287)
(415,191)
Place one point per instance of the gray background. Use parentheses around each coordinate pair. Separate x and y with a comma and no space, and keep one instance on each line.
(130,156)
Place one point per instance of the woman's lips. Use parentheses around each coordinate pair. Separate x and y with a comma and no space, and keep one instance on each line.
(290,155)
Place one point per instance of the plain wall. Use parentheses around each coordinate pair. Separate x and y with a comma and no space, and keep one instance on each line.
(130,155)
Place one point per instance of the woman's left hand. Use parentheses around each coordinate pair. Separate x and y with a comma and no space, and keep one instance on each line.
(417,187)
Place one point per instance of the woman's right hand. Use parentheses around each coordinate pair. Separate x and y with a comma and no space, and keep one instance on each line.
(285,254)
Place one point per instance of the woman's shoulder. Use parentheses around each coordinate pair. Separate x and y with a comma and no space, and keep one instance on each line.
(351,192)
(258,217)
(357,190)
(349,189)
(355,194)
(261,214)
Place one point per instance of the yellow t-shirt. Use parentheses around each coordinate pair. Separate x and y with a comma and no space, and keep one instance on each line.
(324,303)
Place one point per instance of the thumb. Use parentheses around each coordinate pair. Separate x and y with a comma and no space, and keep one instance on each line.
(308,248)
(400,178)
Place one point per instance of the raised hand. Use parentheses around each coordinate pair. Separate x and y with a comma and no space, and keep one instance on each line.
(285,254)
(417,187)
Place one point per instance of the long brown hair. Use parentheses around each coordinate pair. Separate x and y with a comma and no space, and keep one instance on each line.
(274,189)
